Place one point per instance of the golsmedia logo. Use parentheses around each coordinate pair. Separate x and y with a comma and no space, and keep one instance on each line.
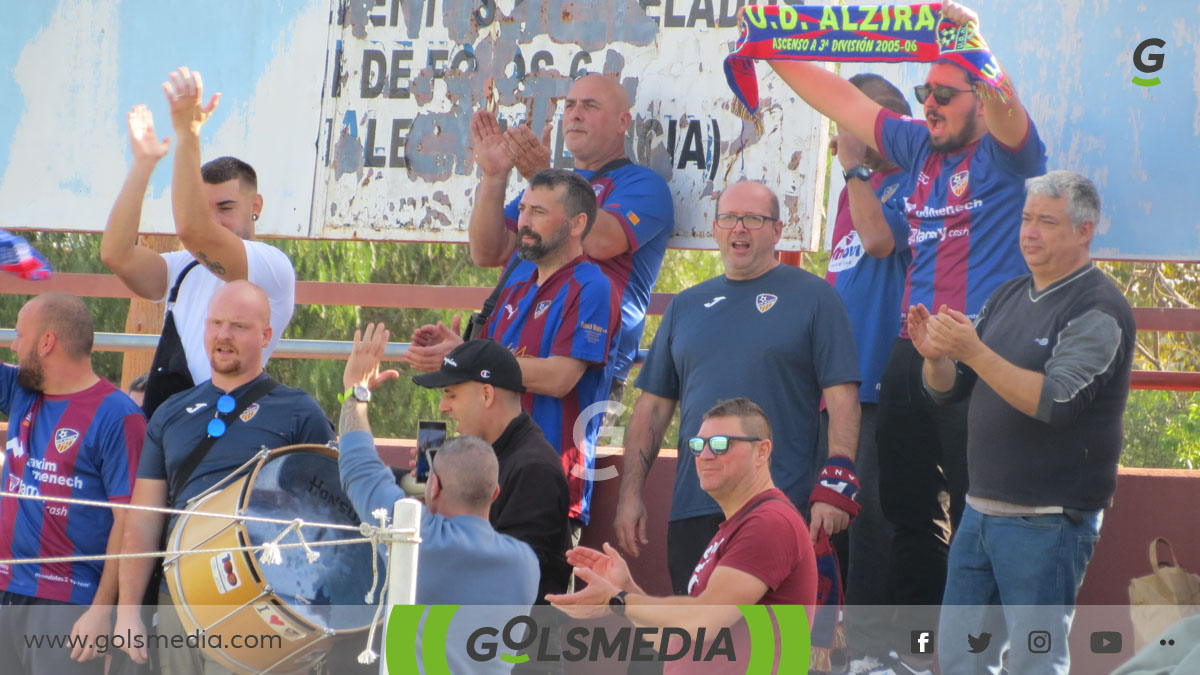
(1148,62)
(522,639)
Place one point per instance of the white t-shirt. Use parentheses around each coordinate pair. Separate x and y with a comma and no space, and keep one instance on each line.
(269,269)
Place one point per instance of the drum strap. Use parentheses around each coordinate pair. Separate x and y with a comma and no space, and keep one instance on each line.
(188,467)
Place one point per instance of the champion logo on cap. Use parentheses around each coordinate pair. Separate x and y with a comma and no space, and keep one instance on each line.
(449,361)
(485,374)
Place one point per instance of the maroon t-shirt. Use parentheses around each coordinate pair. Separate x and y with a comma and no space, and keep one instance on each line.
(767,539)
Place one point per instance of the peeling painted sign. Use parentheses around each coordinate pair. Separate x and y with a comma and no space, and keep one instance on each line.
(355,112)
(403,79)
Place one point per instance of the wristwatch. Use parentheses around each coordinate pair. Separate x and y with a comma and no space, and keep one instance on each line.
(860,172)
(358,391)
(617,603)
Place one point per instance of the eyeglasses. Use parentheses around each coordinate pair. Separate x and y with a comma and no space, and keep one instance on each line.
(216,426)
(727,221)
(718,444)
(941,93)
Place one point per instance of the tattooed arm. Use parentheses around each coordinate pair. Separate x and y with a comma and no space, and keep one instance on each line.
(651,416)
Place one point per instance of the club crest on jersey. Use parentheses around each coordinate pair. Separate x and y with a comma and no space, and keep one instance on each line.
(541,309)
(958,182)
(765,301)
(64,439)
(249,413)
(888,192)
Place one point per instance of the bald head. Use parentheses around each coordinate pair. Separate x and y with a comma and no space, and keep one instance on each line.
(601,87)
(244,294)
(67,318)
(468,473)
(753,192)
(595,119)
(236,332)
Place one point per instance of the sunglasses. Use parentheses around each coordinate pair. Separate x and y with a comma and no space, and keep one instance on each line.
(727,221)
(718,444)
(216,426)
(941,93)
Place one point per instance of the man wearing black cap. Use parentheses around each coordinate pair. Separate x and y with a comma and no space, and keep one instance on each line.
(481,391)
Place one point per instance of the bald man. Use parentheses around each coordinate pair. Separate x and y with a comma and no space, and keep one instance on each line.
(266,414)
(633,224)
(72,434)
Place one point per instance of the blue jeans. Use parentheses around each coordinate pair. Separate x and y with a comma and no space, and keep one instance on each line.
(1016,578)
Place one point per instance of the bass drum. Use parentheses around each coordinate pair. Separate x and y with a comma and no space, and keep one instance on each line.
(255,617)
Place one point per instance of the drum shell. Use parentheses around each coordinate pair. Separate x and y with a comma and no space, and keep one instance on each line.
(224,595)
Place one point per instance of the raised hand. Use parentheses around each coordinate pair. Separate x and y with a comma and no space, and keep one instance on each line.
(529,154)
(487,143)
(142,139)
(185,94)
(363,365)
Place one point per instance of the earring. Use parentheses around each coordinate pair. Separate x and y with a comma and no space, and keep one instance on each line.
(254,216)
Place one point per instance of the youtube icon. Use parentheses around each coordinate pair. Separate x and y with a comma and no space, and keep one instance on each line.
(1106,642)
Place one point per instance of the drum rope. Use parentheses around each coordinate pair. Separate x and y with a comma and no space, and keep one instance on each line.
(270,552)
(369,655)
(163,554)
(177,512)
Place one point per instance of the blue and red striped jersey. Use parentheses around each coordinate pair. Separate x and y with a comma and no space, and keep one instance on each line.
(573,313)
(84,445)
(965,212)
(641,202)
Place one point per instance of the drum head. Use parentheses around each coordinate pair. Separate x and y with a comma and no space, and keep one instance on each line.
(329,592)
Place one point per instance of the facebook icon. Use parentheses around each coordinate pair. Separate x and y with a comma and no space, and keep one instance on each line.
(922,642)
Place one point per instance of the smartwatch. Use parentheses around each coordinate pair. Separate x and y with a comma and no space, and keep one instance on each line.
(617,603)
(860,172)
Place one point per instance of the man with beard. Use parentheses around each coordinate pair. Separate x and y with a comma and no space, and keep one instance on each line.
(635,213)
(71,434)
(970,157)
(557,316)
(236,332)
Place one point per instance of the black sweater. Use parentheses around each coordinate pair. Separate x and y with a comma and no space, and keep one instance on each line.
(1079,333)
(533,500)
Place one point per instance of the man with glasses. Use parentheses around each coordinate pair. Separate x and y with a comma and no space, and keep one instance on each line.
(761,553)
(762,330)
(236,332)
(970,157)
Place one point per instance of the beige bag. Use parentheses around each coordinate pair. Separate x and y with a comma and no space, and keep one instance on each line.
(1159,599)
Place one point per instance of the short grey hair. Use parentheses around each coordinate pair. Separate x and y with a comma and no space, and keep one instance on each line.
(1083,201)
(471,470)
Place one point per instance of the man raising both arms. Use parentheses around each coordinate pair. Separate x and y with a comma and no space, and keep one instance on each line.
(970,157)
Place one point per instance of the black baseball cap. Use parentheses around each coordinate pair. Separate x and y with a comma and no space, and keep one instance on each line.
(485,361)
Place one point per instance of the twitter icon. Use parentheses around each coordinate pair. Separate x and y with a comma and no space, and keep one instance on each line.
(978,644)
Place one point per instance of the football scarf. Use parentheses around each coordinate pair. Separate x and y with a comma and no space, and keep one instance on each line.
(867,33)
(19,258)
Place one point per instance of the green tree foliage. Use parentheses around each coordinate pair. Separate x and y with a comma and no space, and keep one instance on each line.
(1162,428)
